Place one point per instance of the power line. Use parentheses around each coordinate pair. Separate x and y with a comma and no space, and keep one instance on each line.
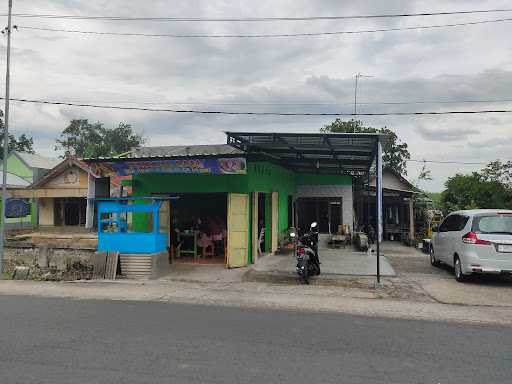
(448,162)
(249,113)
(305,34)
(311,103)
(253,19)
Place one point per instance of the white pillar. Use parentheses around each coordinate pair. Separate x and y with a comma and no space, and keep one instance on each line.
(91,192)
(411,220)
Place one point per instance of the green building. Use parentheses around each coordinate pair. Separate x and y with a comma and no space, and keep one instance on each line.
(243,196)
(23,169)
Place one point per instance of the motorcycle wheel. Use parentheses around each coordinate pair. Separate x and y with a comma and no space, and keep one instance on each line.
(305,271)
(317,269)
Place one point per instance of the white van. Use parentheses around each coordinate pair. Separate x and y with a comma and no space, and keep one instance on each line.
(474,241)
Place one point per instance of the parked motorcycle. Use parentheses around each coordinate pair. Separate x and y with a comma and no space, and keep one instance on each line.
(306,252)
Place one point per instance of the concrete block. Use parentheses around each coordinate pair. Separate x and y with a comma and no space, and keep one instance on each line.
(20,273)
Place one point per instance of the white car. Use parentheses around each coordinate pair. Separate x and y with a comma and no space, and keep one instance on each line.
(474,241)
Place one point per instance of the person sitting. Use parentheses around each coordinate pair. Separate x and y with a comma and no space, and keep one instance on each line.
(205,242)
(216,229)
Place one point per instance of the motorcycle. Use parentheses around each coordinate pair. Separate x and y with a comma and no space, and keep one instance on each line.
(306,253)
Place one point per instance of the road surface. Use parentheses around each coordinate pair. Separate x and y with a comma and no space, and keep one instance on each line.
(51,340)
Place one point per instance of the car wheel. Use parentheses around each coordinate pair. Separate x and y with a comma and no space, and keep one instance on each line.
(433,261)
(459,276)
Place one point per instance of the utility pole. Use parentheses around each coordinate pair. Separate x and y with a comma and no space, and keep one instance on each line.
(8,30)
(358,76)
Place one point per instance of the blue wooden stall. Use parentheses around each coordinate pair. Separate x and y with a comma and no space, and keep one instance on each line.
(114,234)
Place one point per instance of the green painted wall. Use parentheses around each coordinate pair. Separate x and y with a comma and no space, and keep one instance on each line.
(261,176)
(17,167)
(312,179)
(188,183)
(267,177)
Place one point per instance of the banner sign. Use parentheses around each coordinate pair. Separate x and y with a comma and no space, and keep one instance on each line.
(219,166)
(17,208)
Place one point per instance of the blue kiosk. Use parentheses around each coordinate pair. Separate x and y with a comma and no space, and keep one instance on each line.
(143,252)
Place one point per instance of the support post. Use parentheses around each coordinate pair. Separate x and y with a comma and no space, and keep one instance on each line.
(6,138)
(412,234)
(91,193)
(368,190)
(378,185)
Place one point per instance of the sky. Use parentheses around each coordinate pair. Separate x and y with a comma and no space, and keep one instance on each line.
(432,69)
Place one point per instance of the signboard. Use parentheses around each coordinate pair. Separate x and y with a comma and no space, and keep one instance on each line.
(17,208)
(218,166)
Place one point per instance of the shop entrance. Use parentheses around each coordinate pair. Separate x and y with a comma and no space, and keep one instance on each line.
(264,223)
(198,228)
(327,212)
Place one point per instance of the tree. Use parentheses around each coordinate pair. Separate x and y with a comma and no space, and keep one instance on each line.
(83,139)
(424,175)
(395,152)
(498,171)
(488,188)
(21,144)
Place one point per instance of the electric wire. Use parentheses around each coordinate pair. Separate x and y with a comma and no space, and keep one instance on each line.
(254,19)
(251,113)
(447,162)
(313,104)
(259,36)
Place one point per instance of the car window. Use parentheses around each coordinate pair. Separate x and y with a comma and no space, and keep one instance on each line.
(453,223)
(446,224)
(461,222)
(493,224)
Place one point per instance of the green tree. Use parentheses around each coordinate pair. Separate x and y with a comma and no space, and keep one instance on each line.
(83,139)
(475,190)
(22,143)
(498,171)
(424,175)
(395,152)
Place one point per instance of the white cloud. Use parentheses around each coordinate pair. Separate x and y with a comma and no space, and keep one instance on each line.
(471,62)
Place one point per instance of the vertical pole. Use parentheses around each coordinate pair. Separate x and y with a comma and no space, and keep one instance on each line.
(368,189)
(355,94)
(412,217)
(6,140)
(379,205)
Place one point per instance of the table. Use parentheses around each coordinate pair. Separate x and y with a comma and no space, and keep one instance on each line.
(185,234)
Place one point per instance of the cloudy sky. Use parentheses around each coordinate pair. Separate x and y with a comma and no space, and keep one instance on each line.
(432,69)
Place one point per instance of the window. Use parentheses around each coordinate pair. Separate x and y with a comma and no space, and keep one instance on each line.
(461,223)
(453,223)
(493,224)
(445,225)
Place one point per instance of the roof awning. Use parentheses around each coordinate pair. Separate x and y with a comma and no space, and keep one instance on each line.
(330,153)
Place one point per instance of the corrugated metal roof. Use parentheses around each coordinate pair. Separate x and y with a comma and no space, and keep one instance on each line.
(185,150)
(37,161)
(331,153)
(14,181)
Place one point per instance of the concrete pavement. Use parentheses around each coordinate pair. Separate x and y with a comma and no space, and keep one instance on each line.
(335,262)
(54,341)
(439,284)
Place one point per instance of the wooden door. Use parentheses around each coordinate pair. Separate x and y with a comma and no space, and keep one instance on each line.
(238,230)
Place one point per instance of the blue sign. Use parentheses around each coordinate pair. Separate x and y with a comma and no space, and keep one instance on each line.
(17,208)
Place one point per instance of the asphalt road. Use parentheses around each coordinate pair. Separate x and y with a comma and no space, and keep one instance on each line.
(53,341)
